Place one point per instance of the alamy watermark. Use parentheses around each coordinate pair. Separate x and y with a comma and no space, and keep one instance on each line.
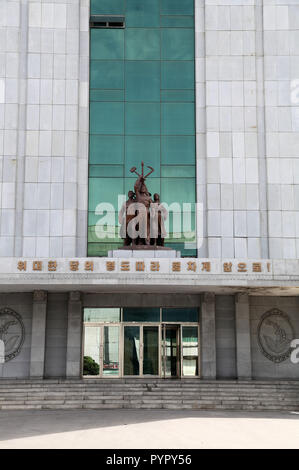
(175,221)
(295,353)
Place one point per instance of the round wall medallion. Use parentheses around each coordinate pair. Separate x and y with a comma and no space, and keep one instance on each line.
(12,332)
(275,333)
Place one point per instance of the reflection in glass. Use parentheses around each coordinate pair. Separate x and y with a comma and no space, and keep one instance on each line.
(150,350)
(91,350)
(102,315)
(190,350)
(110,352)
(131,350)
(169,351)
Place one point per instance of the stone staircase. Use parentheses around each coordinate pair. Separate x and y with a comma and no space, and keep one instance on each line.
(149,394)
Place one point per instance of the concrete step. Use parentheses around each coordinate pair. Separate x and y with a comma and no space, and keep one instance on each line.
(149,394)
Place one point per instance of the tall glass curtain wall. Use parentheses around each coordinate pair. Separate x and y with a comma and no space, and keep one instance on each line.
(142,108)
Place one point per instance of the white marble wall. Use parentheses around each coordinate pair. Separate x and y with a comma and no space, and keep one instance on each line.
(247,126)
(44,141)
(281,38)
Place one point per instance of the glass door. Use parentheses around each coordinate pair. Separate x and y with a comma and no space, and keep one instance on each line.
(110,349)
(189,351)
(132,350)
(171,356)
(101,351)
(150,356)
(141,350)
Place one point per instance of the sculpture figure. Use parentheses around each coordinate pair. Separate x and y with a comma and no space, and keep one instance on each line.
(149,215)
(160,214)
(124,218)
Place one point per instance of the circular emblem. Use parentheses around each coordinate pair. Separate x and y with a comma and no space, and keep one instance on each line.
(12,332)
(275,333)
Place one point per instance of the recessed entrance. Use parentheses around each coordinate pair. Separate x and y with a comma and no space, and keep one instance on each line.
(114,347)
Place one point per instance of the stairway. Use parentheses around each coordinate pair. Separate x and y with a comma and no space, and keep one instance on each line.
(149,394)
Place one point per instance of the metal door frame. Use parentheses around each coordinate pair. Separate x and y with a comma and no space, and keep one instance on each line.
(141,325)
(161,348)
(101,350)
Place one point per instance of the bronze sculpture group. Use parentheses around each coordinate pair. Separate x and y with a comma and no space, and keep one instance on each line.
(141,217)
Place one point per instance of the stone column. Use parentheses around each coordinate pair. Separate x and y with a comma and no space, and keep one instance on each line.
(208,336)
(38,334)
(74,340)
(243,345)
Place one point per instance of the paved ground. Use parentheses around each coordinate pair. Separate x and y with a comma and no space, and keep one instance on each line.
(125,429)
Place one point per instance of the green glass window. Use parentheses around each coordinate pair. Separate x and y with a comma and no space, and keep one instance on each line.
(94,217)
(177,21)
(101,249)
(150,350)
(148,147)
(177,7)
(177,44)
(107,95)
(142,118)
(107,74)
(142,108)
(177,95)
(142,44)
(172,171)
(101,171)
(107,7)
(180,314)
(102,315)
(178,75)
(177,190)
(106,149)
(106,118)
(142,81)
(141,314)
(178,149)
(142,13)
(103,190)
(103,227)
(107,44)
(178,118)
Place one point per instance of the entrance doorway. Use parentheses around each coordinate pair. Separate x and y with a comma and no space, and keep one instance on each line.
(139,349)
(171,357)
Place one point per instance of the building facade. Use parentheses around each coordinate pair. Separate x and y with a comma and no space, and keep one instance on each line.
(207,93)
